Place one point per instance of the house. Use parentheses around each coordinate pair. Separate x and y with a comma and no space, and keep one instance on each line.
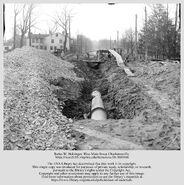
(49,42)
(56,41)
(37,41)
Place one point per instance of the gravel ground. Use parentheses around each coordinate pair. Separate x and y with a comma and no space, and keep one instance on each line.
(32,120)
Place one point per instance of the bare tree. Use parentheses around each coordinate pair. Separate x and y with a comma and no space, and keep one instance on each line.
(84,44)
(17,10)
(52,28)
(128,41)
(30,21)
(26,22)
(63,20)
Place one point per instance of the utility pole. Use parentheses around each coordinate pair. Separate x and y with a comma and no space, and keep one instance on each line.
(14,31)
(110,42)
(146,40)
(81,44)
(176,17)
(176,21)
(3,19)
(31,7)
(77,46)
(136,36)
(29,28)
(179,16)
(69,19)
(117,44)
(167,34)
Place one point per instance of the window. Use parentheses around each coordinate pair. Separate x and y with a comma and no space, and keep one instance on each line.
(61,47)
(60,41)
(41,40)
(52,40)
(41,47)
(45,47)
(33,40)
(51,48)
(56,34)
(37,47)
(55,48)
(37,40)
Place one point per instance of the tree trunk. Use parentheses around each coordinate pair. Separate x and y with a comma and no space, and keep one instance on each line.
(175,35)
(81,45)
(136,36)
(65,41)
(146,44)
(29,30)
(167,34)
(22,40)
(69,34)
(14,33)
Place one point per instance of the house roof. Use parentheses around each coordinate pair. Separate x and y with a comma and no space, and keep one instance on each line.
(38,36)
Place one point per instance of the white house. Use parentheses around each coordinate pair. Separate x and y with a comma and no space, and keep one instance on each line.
(56,41)
(49,42)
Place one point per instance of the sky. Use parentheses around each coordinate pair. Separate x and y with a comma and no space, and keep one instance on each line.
(96,21)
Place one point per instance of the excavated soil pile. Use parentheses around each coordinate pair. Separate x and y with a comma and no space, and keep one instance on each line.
(161,79)
(32,120)
(124,99)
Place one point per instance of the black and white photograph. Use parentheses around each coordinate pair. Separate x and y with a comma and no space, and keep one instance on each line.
(91,76)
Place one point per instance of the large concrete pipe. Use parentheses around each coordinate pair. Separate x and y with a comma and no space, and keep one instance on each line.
(97,108)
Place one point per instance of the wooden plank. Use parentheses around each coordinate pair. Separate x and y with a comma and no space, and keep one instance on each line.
(93,61)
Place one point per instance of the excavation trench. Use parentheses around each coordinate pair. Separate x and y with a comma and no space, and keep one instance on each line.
(122,98)
(79,107)
(133,115)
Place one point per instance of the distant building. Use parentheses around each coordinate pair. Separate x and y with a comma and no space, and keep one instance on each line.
(37,40)
(49,42)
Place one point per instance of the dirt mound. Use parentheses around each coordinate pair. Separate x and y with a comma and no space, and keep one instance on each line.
(163,76)
(150,101)
(32,119)
(123,99)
